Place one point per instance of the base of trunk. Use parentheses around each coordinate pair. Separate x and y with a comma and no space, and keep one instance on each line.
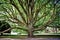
(30,35)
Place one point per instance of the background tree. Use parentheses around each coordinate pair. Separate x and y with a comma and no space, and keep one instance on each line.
(56,23)
(30,15)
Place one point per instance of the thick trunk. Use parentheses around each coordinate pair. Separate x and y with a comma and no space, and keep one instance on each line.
(30,30)
(30,34)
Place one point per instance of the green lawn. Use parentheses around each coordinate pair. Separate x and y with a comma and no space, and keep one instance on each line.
(25,36)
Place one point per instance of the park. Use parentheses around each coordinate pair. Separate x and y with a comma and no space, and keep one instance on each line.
(29,19)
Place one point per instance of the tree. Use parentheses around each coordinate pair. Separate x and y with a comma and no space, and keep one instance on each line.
(56,23)
(30,15)
(3,26)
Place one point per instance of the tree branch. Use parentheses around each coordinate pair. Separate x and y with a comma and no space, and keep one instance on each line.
(6,30)
(48,22)
(7,11)
(14,18)
(14,28)
(21,3)
(38,10)
(21,14)
(40,18)
(20,28)
(30,6)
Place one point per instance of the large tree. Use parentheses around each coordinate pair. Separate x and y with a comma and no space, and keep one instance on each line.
(30,15)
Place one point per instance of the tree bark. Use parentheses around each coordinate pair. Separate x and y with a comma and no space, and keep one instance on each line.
(30,34)
(30,30)
(55,30)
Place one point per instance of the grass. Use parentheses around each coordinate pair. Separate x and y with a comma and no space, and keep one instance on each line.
(45,35)
(25,36)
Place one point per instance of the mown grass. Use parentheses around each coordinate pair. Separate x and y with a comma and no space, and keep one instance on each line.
(25,36)
(45,35)
(13,36)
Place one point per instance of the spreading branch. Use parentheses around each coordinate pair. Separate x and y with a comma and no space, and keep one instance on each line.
(13,18)
(21,14)
(13,28)
(40,18)
(38,9)
(25,29)
(48,22)
(21,3)
(6,30)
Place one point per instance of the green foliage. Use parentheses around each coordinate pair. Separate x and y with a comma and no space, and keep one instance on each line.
(38,13)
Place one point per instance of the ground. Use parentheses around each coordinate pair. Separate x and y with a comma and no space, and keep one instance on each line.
(31,39)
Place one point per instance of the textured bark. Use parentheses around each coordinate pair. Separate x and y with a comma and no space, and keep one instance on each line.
(30,34)
(30,30)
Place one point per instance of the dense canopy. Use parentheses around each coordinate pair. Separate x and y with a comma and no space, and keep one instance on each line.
(30,15)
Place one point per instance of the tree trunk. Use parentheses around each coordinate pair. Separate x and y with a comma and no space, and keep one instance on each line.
(1,34)
(55,30)
(30,34)
(30,30)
